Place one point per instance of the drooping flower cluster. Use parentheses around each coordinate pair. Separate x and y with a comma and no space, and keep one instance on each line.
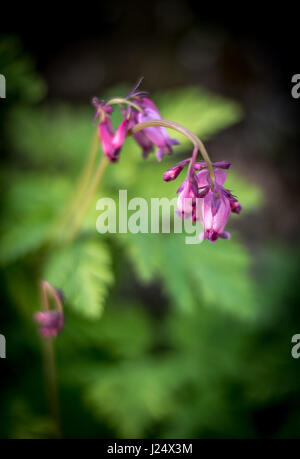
(139,109)
(203,200)
(202,196)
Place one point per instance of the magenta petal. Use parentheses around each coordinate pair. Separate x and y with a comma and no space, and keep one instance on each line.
(112,142)
(51,322)
(172,174)
(160,153)
(120,135)
(144,142)
(214,223)
(186,202)
(158,135)
(215,203)
(222,164)
(106,137)
(220,176)
(202,178)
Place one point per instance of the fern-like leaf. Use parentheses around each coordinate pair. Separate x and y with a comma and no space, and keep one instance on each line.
(83,271)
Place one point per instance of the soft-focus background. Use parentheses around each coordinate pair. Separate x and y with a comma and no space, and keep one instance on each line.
(162,339)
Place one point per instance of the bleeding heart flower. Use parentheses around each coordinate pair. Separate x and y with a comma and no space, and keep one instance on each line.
(155,135)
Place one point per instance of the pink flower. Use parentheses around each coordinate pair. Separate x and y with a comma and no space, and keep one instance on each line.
(51,322)
(217,205)
(201,201)
(111,141)
(155,135)
(215,214)
(187,199)
(141,137)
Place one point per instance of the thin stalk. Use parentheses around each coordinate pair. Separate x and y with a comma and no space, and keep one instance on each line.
(121,100)
(89,197)
(81,185)
(49,363)
(192,162)
(177,127)
(86,175)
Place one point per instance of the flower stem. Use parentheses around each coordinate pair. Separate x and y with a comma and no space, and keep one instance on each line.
(177,127)
(89,197)
(192,162)
(49,363)
(80,188)
(50,376)
(120,100)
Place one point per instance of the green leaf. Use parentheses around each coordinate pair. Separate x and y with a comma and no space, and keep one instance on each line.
(83,271)
(30,206)
(124,331)
(133,395)
(222,275)
(215,274)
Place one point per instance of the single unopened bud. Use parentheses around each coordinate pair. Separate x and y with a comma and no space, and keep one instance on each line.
(51,322)
(235,207)
(172,174)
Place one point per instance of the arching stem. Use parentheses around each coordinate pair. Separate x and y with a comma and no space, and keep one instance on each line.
(177,127)
(120,100)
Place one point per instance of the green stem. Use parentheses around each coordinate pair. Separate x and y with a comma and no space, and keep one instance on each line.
(80,188)
(89,197)
(120,100)
(85,177)
(49,363)
(177,127)
(50,376)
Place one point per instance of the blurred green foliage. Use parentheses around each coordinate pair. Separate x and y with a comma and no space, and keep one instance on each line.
(162,339)
(23,83)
